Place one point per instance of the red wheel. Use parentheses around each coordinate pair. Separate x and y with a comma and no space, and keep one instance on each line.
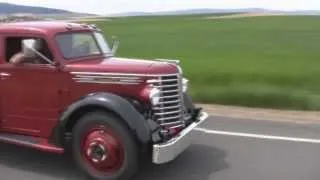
(104,148)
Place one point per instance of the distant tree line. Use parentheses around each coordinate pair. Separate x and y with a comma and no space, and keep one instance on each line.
(18,18)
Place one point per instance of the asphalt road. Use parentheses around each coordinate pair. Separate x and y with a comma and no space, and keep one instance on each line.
(223,149)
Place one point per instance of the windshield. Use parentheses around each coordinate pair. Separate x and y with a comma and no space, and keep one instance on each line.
(82,44)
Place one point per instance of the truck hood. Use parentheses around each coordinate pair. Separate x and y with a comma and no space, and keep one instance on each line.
(123,65)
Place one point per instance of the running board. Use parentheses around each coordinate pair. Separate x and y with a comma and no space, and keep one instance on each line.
(30,141)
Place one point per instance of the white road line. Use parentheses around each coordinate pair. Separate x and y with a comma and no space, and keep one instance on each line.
(259,136)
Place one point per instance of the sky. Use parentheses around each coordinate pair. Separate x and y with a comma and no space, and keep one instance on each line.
(118,6)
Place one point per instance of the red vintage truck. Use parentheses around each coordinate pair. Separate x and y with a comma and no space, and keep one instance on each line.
(62,88)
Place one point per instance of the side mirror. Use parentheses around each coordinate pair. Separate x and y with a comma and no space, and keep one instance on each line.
(115,44)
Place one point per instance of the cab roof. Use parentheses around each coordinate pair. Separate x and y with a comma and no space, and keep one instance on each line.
(43,27)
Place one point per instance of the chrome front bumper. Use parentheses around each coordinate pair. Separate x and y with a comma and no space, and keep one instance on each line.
(168,151)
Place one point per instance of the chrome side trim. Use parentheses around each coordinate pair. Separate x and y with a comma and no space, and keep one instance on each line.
(111,77)
(106,82)
(175,61)
(104,78)
(107,79)
(158,81)
(123,74)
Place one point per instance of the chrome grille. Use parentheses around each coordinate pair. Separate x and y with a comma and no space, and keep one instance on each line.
(168,113)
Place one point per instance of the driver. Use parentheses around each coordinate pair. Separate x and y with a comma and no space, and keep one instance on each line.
(26,54)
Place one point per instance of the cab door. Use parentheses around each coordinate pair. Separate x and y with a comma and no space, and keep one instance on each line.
(30,95)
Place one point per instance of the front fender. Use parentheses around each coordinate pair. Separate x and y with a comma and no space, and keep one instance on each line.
(116,104)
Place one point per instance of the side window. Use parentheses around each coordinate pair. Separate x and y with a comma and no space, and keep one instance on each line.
(15,53)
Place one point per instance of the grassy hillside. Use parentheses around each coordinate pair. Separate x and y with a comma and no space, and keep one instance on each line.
(261,61)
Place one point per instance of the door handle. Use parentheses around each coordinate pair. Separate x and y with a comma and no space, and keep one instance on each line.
(3,74)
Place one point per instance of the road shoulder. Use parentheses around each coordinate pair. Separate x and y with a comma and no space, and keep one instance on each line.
(262,114)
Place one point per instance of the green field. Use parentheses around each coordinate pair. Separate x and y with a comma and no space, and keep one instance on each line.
(259,62)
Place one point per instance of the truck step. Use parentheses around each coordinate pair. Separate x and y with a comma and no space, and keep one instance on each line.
(30,141)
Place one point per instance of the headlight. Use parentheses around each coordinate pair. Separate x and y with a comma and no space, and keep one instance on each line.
(154,96)
(185,84)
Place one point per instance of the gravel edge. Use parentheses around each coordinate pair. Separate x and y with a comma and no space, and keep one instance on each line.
(261,113)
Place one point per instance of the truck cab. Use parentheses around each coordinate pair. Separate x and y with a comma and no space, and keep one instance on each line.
(62,86)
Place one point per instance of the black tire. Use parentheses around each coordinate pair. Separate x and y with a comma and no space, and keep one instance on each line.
(130,161)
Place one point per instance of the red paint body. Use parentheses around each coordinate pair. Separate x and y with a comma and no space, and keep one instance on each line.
(34,96)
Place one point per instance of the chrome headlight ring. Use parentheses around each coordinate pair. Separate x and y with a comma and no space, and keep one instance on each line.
(185,82)
(154,96)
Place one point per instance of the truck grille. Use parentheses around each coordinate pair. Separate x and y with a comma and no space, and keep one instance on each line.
(168,113)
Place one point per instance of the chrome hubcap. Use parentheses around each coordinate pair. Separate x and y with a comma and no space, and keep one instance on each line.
(97,152)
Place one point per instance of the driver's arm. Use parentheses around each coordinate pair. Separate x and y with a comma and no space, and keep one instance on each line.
(17,58)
